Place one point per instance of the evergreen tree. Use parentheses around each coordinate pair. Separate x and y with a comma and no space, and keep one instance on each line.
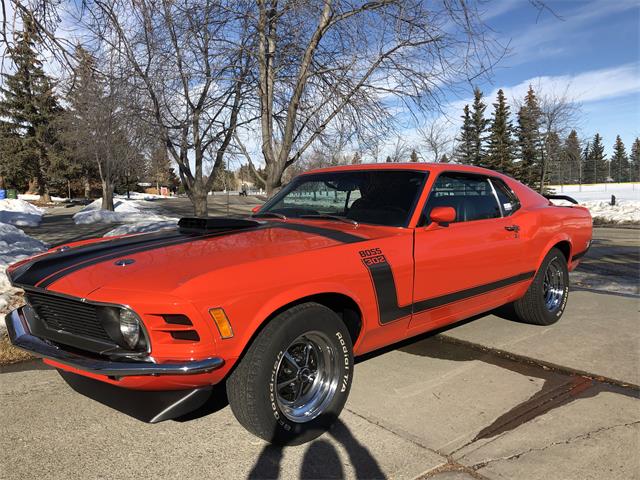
(619,162)
(553,149)
(571,159)
(500,143)
(464,152)
(529,140)
(596,169)
(444,158)
(478,128)
(584,162)
(635,161)
(30,110)
(414,156)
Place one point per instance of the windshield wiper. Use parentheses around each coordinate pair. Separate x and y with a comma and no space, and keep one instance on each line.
(269,214)
(331,217)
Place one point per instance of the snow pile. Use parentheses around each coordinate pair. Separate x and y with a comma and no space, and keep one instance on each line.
(597,198)
(125,211)
(599,191)
(20,213)
(35,197)
(146,196)
(141,227)
(624,211)
(14,245)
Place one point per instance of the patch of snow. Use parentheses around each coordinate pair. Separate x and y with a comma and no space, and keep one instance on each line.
(33,197)
(20,213)
(14,245)
(599,191)
(146,196)
(125,211)
(141,227)
(624,211)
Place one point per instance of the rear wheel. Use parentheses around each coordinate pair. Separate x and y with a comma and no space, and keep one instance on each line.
(294,380)
(546,298)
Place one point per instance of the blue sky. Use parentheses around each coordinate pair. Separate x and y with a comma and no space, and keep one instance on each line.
(591,46)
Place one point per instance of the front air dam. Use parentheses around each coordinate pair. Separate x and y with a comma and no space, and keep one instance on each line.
(148,406)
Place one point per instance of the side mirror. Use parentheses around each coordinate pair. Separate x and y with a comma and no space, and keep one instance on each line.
(443,216)
(256,208)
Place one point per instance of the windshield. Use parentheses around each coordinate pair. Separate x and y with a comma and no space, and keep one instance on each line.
(380,197)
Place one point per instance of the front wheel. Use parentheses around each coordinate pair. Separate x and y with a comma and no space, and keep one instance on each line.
(546,298)
(294,379)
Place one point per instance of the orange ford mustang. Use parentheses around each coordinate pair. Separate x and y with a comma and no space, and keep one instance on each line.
(340,262)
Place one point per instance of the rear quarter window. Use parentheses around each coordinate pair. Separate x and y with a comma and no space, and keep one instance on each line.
(509,202)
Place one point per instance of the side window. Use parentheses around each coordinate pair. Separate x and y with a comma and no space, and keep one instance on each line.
(508,200)
(471,196)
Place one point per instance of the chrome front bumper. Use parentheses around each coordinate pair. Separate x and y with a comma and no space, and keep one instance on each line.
(21,337)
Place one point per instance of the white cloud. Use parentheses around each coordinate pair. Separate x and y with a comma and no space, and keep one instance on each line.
(590,86)
(584,88)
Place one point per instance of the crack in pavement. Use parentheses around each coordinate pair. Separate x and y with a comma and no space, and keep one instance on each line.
(582,436)
(401,434)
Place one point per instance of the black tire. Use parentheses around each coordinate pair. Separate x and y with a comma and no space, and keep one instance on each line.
(261,407)
(536,307)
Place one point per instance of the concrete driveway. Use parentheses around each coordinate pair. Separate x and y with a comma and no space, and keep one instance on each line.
(488,399)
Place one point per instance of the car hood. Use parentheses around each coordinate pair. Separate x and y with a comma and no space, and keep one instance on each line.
(163,261)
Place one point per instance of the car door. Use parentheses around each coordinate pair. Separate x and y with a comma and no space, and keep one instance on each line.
(474,263)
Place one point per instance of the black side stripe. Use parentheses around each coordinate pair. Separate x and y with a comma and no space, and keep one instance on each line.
(436,302)
(384,286)
(42,272)
(386,294)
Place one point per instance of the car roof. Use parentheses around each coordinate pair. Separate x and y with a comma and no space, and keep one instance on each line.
(418,166)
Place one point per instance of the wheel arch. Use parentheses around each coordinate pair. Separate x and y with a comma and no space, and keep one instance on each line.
(562,243)
(344,305)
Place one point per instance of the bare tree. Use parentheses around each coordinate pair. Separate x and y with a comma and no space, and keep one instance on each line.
(100,127)
(400,151)
(436,139)
(319,62)
(559,113)
(190,59)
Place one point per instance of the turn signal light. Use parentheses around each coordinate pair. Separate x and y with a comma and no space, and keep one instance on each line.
(222,322)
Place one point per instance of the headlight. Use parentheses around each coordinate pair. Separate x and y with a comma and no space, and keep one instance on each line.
(130,327)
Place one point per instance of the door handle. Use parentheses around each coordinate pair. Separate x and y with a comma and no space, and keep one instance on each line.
(512,228)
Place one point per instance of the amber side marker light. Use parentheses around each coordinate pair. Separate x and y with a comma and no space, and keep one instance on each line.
(222,322)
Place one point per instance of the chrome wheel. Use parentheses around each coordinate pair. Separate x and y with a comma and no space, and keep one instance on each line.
(553,285)
(307,377)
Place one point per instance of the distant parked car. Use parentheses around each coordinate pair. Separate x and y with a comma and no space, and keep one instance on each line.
(342,261)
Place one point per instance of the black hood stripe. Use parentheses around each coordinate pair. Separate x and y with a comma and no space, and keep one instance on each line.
(42,272)
(36,270)
(337,235)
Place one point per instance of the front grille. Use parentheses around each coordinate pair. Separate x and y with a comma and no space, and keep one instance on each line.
(68,315)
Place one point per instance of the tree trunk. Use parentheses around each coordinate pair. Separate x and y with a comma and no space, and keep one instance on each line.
(33,186)
(87,187)
(107,195)
(43,191)
(273,179)
(198,196)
